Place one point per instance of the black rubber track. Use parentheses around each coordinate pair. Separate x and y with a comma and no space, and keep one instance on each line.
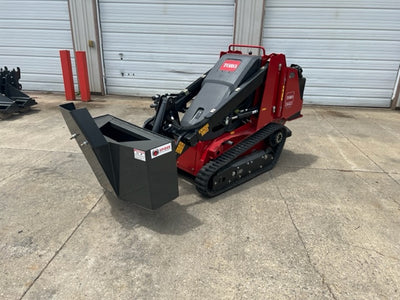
(209,170)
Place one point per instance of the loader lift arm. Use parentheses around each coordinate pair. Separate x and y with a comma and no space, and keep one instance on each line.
(166,120)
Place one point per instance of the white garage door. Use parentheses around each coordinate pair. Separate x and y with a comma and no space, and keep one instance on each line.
(31,35)
(349,50)
(161,46)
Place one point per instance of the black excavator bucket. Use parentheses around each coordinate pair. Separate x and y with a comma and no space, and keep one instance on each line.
(12,100)
(133,163)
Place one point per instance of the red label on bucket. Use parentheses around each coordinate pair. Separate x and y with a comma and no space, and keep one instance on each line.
(156,152)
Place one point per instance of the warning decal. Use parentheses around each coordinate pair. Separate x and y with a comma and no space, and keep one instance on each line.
(139,154)
(180,147)
(156,152)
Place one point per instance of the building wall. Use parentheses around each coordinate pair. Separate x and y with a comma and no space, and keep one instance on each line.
(161,46)
(86,37)
(349,50)
(31,35)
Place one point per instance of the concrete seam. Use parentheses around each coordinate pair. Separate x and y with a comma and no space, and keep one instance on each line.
(352,171)
(394,179)
(336,169)
(10,176)
(62,247)
(26,168)
(38,160)
(321,275)
(366,155)
(41,150)
(351,142)
(366,182)
(373,250)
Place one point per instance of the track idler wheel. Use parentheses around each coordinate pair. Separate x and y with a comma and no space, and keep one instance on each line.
(276,138)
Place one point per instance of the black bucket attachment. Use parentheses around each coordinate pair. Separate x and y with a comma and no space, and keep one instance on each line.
(12,100)
(23,101)
(7,107)
(134,163)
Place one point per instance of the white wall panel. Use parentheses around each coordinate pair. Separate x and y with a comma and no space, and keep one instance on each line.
(86,37)
(164,44)
(349,50)
(31,35)
(249,23)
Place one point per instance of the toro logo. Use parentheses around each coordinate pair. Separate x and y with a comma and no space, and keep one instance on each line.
(156,152)
(289,99)
(230,65)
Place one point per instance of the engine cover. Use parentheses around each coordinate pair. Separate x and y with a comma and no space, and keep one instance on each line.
(229,72)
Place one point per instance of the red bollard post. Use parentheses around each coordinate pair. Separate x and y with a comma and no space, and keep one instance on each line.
(83,77)
(68,79)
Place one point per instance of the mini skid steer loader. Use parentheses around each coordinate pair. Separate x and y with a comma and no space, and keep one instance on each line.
(224,129)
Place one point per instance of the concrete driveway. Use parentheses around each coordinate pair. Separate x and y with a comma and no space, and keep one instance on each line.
(324,224)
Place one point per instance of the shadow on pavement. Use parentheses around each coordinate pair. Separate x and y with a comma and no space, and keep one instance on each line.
(288,162)
(172,218)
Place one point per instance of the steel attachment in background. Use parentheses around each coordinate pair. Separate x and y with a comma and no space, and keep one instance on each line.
(12,99)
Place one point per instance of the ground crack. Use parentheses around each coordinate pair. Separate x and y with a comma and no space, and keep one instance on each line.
(321,275)
(376,251)
(62,247)
(362,151)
